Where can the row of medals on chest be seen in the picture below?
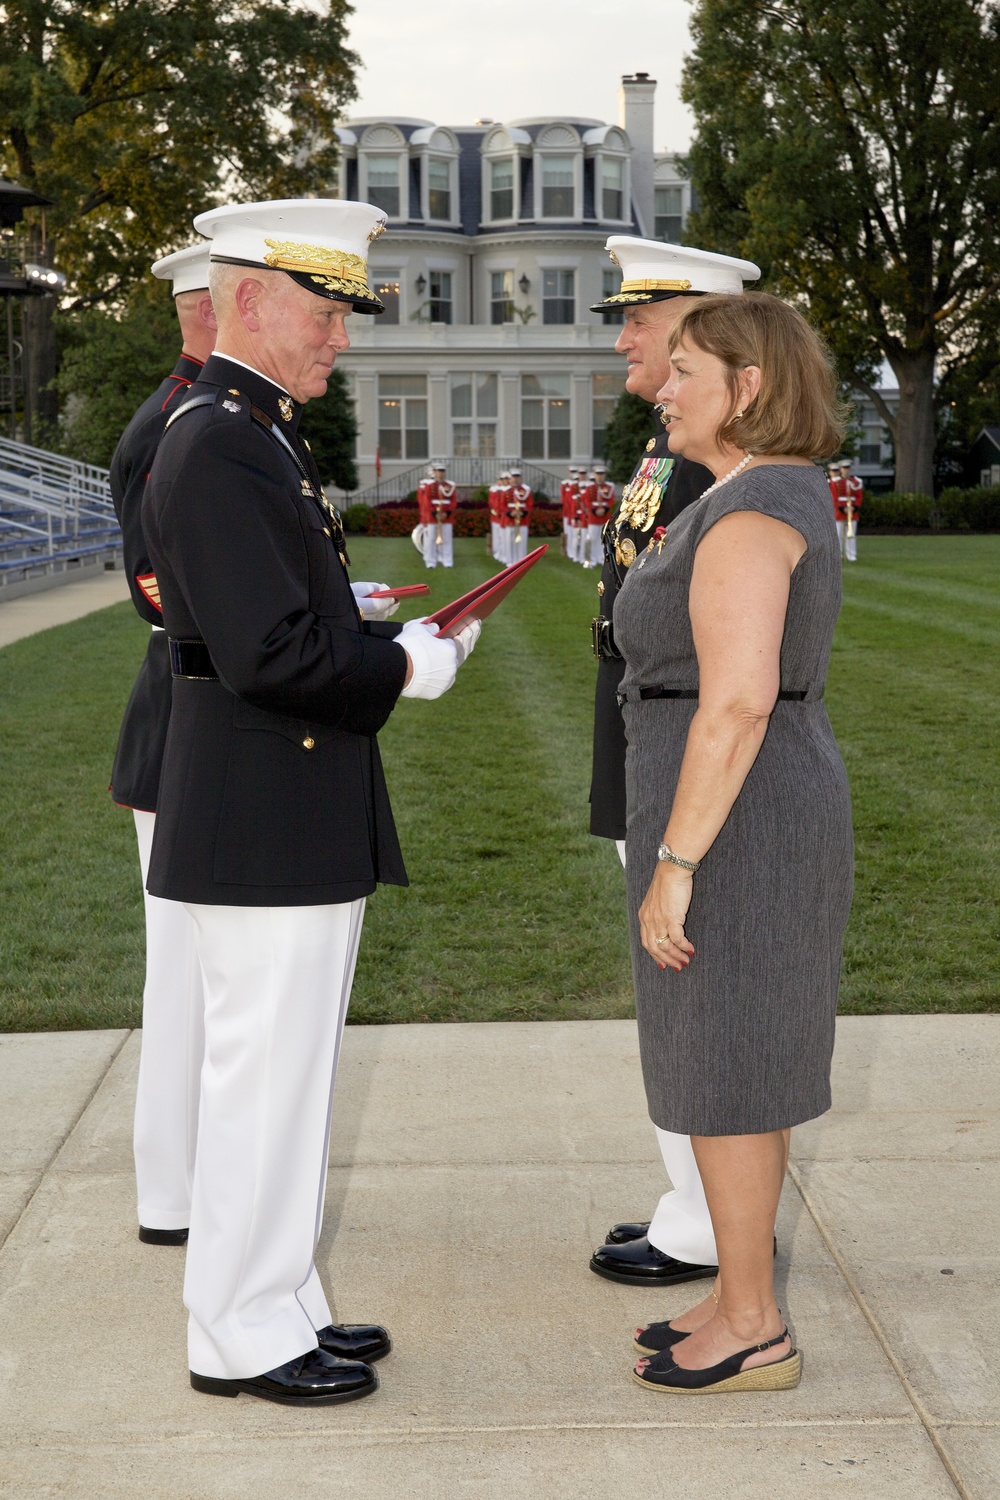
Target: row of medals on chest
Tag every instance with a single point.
(640, 502)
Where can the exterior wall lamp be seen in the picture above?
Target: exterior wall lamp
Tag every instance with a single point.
(421, 284)
(525, 285)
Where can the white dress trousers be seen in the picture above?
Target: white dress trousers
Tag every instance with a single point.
(519, 541)
(173, 1043)
(495, 544)
(442, 551)
(595, 549)
(681, 1225)
(504, 552)
(277, 984)
(847, 531)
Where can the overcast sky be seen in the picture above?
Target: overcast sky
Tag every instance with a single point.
(456, 61)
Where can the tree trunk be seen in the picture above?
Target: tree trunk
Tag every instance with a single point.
(41, 403)
(914, 433)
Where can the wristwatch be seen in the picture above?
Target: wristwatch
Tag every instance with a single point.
(665, 852)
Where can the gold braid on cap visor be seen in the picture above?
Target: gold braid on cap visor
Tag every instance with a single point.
(337, 270)
(642, 290)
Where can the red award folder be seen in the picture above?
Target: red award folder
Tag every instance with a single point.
(484, 598)
(406, 592)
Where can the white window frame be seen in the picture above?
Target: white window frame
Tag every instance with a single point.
(576, 157)
(403, 158)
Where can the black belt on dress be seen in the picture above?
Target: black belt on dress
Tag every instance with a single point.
(665, 692)
(192, 659)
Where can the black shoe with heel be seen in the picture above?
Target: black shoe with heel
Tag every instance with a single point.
(661, 1373)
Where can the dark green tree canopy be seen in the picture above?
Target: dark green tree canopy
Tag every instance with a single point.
(134, 115)
(852, 149)
(629, 429)
(330, 427)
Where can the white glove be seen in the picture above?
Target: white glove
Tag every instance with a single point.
(373, 609)
(434, 662)
(466, 639)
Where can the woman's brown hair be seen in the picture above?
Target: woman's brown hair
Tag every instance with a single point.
(796, 410)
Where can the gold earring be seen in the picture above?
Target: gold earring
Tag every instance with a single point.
(739, 413)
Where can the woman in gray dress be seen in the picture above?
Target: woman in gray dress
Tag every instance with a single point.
(739, 822)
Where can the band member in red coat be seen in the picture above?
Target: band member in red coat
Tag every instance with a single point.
(567, 496)
(586, 498)
(520, 504)
(600, 503)
(854, 494)
(436, 499)
(505, 535)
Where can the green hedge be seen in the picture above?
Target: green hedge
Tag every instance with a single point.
(953, 510)
(397, 518)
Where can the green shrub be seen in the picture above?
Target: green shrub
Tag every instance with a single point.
(895, 509)
(355, 519)
(976, 509)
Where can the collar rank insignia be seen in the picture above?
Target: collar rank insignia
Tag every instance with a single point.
(233, 391)
(287, 408)
(650, 445)
(232, 406)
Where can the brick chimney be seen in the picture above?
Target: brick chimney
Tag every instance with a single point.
(635, 116)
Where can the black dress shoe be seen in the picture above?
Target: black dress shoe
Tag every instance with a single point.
(640, 1264)
(162, 1236)
(311, 1379)
(365, 1341)
(620, 1234)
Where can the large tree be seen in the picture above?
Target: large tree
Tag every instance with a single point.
(133, 115)
(852, 148)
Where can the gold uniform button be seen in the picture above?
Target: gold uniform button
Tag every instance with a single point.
(309, 743)
(600, 590)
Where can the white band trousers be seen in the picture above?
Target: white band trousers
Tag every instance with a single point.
(442, 551)
(595, 548)
(277, 985)
(847, 531)
(519, 540)
(173, 1042)
(681, 1225)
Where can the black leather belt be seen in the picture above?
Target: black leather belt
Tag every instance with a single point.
(665, 692)
(191, 659)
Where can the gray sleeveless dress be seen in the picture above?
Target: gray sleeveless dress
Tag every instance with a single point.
(740, 1042)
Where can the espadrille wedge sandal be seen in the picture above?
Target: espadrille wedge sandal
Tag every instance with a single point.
(662, 1374)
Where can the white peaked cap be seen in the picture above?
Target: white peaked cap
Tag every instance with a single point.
(187, 269)
(322, 243)
(653, 271)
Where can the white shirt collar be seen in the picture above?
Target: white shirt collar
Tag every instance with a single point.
(234, 361)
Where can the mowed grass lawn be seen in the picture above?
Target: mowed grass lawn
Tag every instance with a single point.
(514, 911)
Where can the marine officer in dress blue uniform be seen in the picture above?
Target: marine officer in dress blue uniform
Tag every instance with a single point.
(166, 1108)
(273, 820)
(678, 1244)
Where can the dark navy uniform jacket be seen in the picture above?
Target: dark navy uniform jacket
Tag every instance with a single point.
(686, 482)
(135, 775)
(272, 791)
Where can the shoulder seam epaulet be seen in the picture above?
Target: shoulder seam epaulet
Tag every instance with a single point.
(191, 405)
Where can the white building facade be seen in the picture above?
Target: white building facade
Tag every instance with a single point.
(494, 250)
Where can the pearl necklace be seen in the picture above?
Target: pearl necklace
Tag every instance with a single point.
(727, 477)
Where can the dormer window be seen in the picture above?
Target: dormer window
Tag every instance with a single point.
(612, 188)
(438, 188)
(503, 149)
(502, 188)
(558, 181)
(383, 183)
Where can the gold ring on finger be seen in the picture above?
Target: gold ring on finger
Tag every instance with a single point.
(667, 939)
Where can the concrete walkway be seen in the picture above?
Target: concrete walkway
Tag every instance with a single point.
(474, 1167)
(29, 613)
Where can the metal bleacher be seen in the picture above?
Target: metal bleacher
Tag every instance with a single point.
(56, 515)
